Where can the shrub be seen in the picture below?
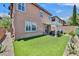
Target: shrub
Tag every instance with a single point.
(52, 33)
(6, 23)
(64, 32)
(72, 33)
(61, 31)
(58, 33)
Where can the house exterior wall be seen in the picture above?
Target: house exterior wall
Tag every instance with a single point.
(53, 27)
(56, 19)
(30, 14)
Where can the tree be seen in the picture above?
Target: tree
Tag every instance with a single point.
(74, 18)
(6, 23)
(69, 21)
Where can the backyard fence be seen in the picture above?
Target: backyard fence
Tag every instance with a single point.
(68, 29)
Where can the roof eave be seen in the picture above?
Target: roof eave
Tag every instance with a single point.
(42, 8)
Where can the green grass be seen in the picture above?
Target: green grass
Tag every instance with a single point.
(41, 46)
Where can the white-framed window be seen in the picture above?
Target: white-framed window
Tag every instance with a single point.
(30, 27)
(49, 17)
(27, 26)
(21, 6)
(34, 27)
(41, 13)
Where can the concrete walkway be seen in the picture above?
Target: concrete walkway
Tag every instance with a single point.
(9, 46)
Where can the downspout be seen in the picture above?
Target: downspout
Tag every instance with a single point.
(12, 18)
(11, 9)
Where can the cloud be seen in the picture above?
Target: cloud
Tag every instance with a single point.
(59, 11)
(65, 18)
(69, 4)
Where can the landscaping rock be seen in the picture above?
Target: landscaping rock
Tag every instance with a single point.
(72, 49)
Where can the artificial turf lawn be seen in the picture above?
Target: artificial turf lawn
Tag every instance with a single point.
(41, 46)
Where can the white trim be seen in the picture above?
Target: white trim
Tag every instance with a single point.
(30, 25)
(21, 10)
(49, 17)
(36, 27)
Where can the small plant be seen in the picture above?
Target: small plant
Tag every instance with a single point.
(64, 33)
(2, 48)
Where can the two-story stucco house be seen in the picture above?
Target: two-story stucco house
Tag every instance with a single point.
(57, 23)
(57, 19)
(29, 19)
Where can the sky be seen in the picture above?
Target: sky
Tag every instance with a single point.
(62, 10)
(4, 9)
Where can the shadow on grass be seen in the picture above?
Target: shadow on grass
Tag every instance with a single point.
(30, 38)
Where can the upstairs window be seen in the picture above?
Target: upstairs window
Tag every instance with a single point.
(21, 6)
(53, 19)
(49, 17)
(41, 14)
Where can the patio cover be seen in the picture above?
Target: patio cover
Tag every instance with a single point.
(53, 23)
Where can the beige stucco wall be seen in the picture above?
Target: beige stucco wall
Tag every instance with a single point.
(31, 14)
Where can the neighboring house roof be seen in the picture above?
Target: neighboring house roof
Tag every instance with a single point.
(42, 8)
(56, 17)
(62, 21)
